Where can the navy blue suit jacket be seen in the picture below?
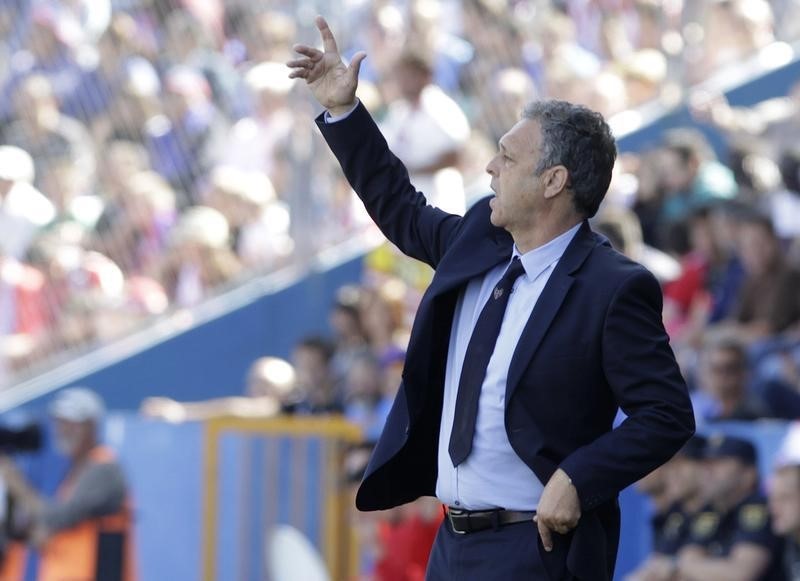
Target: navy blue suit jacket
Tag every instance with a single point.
(594, 342)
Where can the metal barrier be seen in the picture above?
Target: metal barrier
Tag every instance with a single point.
(259, 473)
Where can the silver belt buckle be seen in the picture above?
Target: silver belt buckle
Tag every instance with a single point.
(452, 524)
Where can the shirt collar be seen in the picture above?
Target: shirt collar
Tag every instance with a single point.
(537, 260)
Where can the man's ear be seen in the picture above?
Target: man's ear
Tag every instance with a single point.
(556, 181)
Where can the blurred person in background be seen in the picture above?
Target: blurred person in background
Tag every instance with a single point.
(86, 531)
(734, 30)
(48, 50)
(784, 500)
(382, 317)
(768, 302)
(428, 132)
(189, 42)
(678, 493)
(26, 316)
(260, 223)
(783, 206)
(136, 231)
(349, 339)
(732, 538)
(199, 257)
(622, 228)
(119, 67)
(270, 389)
(187, 140)
(142, 298)
(316, 383)
(690, 174)
(24, 210)
(511, 88)
(50, 137)
(265, 34)
(706, 289)
(80, 285)
(364, 401)
(255, 141)
(724, 391)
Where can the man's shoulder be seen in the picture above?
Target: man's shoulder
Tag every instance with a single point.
(613, 267)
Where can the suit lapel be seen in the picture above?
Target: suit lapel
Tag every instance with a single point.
(553, 295)
(465, 265)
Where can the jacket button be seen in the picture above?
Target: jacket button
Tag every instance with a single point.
(408, 428)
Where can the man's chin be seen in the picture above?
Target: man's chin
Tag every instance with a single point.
(494, 215)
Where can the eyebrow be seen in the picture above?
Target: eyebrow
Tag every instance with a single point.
(502, 147)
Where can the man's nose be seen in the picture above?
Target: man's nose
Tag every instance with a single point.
(490, 167)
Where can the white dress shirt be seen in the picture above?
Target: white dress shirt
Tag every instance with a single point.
(493, 475)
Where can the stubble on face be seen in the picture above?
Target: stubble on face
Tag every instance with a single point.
(514, 179)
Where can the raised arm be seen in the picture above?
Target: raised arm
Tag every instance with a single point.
(378, 177)
(331, 82)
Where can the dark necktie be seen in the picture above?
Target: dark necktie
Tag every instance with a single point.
(479, 351)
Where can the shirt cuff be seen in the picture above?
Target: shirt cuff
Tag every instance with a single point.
(331, 119)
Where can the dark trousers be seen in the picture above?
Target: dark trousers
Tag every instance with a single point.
(510, 553)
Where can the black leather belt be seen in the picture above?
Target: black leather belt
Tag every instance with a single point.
(471, 521)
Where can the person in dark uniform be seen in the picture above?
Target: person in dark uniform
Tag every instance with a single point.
(731, 539)
(784, 503)
(684, 496)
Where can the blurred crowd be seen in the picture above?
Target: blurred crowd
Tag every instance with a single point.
(712, 519)
(154, 152)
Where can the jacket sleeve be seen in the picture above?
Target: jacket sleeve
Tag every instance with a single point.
(381, 181)
(641, 371)
(99, 491)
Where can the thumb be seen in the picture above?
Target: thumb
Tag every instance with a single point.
(355, 63)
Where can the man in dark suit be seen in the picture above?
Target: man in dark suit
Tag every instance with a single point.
(532, 334)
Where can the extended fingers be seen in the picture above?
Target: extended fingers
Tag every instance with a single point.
(328, 42)
(309, 51)
(298, 74)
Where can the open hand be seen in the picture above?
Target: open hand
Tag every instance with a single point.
(331, 82)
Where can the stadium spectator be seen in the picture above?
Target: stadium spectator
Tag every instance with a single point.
(86, 531)
(707, 286)
(316, 383)
(784, 500)
(427, 130)
(270, 389)
(768, 301)
(350, 342)
(24, 210)
(185, 142)
(690, 174)
(723, 391)
(364, 400)
(199, 257)
(47, 50)
(732, 538)
(678, 496)
(784, 504)
(254, 142)
(136, 230)
(52, 139)
(260, 223)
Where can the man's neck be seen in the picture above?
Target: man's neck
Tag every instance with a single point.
(542, 234)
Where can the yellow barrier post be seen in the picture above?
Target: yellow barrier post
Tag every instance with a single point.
(336, 432)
